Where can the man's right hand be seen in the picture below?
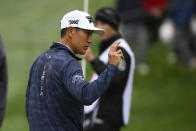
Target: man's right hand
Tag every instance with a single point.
(115, 55)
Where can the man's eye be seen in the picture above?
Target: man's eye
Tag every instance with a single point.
(88, 32)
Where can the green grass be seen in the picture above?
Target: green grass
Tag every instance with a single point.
(163, 100)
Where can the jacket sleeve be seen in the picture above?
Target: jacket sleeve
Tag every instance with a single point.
(98, 66)
(82, 90)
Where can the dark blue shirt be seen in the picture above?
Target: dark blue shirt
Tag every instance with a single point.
(182, 11)
(57, 91)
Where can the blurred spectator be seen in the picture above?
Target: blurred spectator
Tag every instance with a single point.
(156, 12)
(134, 29)
(111, 112)
(181, 13)
(3, 81)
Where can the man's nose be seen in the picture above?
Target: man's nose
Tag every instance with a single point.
(90, 40)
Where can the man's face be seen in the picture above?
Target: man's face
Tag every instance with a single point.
(108, 30)
(81, 39)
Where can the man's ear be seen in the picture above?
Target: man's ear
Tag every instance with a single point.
(70, 31)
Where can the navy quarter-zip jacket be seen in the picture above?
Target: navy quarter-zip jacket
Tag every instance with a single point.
(57, 90)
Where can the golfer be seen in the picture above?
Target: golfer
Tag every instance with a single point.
(57, 90)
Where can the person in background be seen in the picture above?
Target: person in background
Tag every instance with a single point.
(111, 111)
(181, 12)
(155, 13)
(3, 81)
(134, 30)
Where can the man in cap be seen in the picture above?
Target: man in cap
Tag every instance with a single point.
(57, 90)
(112, 110)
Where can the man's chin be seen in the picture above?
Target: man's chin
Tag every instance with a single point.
(83, 52)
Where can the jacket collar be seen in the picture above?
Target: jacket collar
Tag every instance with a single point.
(59, 46)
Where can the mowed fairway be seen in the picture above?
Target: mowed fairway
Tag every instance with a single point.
(164, 100)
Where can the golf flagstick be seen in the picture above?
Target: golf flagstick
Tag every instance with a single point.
(83, 60)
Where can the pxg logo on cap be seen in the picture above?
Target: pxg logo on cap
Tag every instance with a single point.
(79, 19)
(89, 19)
(73, 22)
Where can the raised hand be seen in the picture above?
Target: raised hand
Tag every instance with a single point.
(115, 55)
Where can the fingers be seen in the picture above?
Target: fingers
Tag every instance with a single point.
(119, 51)
(115, 55)
(114, 46)
(120, 54)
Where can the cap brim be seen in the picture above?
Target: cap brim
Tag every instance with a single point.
(99, 31)
(96, 30)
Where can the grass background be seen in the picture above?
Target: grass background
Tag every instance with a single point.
(163, 100)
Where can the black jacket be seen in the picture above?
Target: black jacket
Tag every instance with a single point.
(110, 109)
(3, 81)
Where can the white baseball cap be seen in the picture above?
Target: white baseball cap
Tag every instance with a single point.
(79, 19)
